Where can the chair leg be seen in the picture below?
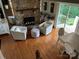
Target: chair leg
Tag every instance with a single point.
(57, 43)
(38, 54)
(61, 51)
(0, 43)
(78, 57)
(70, 57)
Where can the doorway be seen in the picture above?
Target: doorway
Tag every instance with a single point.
(68, 17)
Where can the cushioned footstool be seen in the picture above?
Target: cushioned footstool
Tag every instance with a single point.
(35, 32)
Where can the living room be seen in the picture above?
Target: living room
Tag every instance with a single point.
(28, 30)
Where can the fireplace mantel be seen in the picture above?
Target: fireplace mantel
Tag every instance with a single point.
(24, 9)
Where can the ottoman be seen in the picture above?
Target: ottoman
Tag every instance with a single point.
(35, 32)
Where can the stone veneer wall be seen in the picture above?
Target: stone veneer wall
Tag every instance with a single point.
(28, 8)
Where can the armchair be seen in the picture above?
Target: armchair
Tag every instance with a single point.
(19, 32)
(46, 27)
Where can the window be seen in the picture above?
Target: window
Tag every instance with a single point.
(45, 6)
(52, 8)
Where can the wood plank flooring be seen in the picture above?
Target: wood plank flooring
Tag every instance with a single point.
(12, 49)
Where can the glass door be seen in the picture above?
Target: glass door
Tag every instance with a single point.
(67, 17)
(61, 19)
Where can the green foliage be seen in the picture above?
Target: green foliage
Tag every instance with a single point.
(74, 11)
(70, 21)
(62, 18)
(64, 9)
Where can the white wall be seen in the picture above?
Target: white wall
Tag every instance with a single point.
(48, 7)
(77, 28)
(56, 9)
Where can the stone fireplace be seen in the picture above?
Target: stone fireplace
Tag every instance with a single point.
(29, 8)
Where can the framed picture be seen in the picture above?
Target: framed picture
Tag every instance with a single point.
(52, 7)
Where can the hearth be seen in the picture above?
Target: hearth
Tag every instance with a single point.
(29, 20)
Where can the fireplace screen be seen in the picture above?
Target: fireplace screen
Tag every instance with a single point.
(29, 21)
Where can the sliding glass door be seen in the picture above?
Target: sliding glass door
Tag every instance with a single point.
(68, 17)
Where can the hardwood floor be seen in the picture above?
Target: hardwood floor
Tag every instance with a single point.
(12, 49)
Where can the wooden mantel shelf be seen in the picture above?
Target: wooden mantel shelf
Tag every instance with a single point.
(24, 9)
